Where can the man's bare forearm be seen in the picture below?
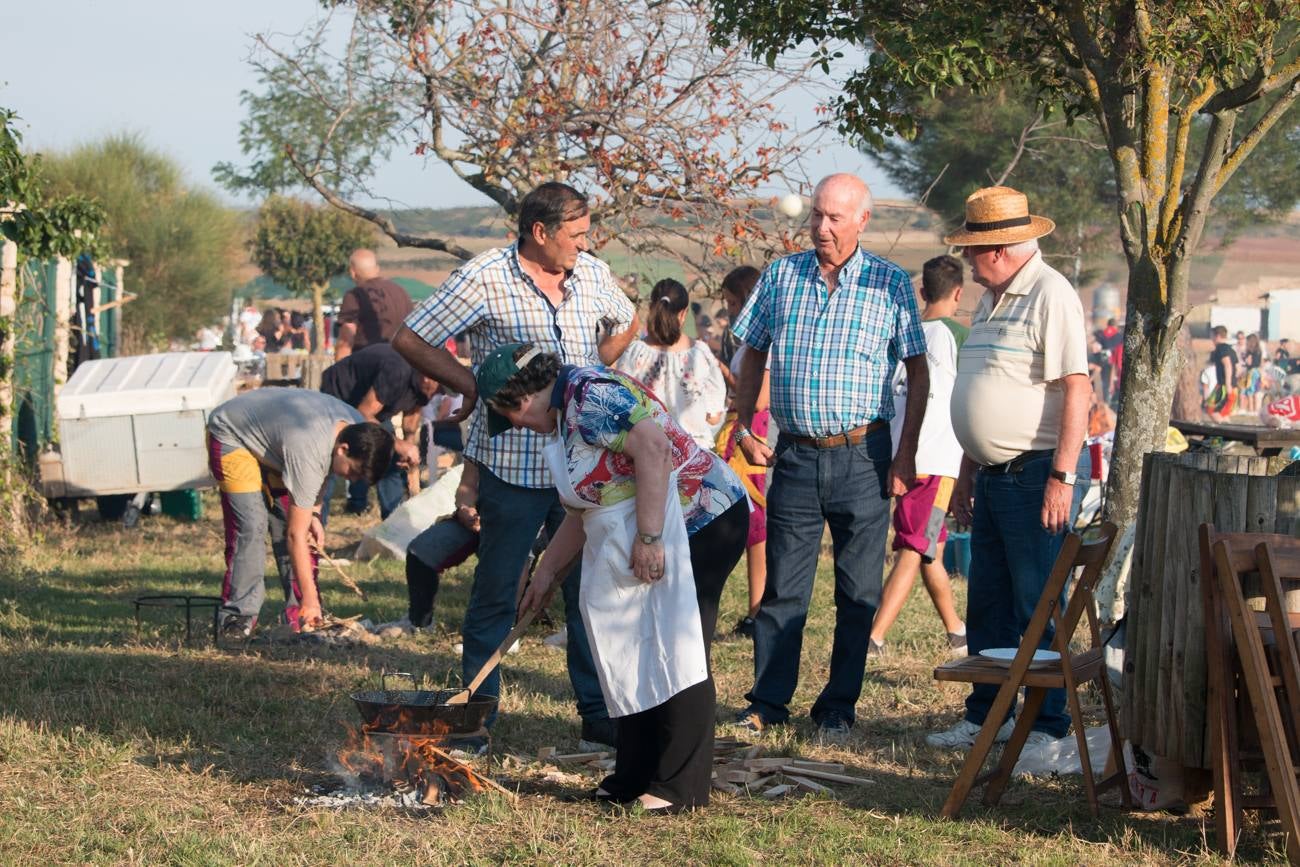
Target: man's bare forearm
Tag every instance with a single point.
(752, 366)
(1074, 421)
(343, 341)
(613, 345)
(918, 395)
(433, 361)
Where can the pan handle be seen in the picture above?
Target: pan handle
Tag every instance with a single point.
(384, 674)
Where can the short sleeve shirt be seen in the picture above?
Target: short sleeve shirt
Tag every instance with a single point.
(288, 430)
(1008, 399)
(493, 299)
(600, 407)
(376, 307)
(381, 367)
(832, 354)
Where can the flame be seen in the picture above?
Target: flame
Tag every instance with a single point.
(372, 754)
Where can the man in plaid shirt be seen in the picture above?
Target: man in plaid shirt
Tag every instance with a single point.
(835, 321)
(549, 291)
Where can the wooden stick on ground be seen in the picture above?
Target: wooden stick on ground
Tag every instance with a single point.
(344, 576)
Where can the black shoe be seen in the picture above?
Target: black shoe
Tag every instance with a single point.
(833, 729)
(744, 628)
(237, 627)
(598, 735)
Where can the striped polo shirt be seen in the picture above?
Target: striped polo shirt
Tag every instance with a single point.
(1008, 398)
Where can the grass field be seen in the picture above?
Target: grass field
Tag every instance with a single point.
(121, 748)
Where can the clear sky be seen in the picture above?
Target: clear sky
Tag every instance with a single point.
(172, 70)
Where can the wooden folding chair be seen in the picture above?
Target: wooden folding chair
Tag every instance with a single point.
(1263, 643)
(1069, 673)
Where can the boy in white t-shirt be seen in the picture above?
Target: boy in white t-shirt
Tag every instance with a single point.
(919, 529)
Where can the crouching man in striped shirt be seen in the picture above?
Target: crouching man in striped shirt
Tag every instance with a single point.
(546, 290)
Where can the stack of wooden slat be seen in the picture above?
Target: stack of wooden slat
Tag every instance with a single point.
(740, 770)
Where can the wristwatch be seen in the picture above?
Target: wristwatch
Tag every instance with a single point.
(1065, 478)
(740, 434)
(649, 538)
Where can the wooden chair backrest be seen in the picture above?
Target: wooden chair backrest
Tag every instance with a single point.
(1092, 557)
(1075, 553)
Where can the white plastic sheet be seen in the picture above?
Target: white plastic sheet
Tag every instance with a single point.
(408, 520)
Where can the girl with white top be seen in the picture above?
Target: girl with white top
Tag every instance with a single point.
(681, 372)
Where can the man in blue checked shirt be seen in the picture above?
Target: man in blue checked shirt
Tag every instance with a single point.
(546, 290)
(835, 321)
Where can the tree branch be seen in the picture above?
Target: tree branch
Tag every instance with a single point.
(385, 225)
(1174, 185)
(1242, 149)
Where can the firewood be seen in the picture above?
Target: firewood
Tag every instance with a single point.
(829, 767)
(761, 782)
(752, 752)
(826, 775)
(470, 773)
(545, 753)
(809, 786)
(764, 764)
(580, 757)
(602, 764)
(741, 777)
(779, 791)
(729, 788)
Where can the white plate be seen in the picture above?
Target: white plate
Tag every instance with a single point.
(1007, 654)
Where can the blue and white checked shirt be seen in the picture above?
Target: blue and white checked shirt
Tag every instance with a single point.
(492, 298)
(832, 354)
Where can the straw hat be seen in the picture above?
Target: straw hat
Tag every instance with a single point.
(998, 215)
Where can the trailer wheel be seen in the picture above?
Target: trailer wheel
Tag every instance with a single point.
(113, 506)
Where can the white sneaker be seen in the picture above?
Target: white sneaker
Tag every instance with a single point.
(962, 735)
(1038, 739)
(559, 639)
(395, 628)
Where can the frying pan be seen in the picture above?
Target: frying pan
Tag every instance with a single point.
(421, 711)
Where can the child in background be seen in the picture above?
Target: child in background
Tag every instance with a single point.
(919, 529)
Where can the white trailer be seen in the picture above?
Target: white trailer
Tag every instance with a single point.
(137, 424)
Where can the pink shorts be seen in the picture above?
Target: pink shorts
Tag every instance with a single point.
(919, 516)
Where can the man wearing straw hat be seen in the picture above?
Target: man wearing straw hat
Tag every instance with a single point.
(1020, 412)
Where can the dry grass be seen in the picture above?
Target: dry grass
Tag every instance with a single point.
(118, 748)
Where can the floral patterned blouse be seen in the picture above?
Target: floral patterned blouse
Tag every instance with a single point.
(598, 408)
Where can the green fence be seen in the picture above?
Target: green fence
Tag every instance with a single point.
(33, 375)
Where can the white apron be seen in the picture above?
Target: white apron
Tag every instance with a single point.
(646, 639)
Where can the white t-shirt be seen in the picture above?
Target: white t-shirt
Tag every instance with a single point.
(937, 451)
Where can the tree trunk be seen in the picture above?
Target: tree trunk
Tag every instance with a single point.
(1151, 365)
(317, 343)
(1187, 392)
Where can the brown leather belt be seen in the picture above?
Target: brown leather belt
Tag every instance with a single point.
(848, 438)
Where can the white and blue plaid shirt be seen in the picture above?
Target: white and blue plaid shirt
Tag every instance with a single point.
(832, 354)
(492, 298)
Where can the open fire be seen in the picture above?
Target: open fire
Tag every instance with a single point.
(404, 760)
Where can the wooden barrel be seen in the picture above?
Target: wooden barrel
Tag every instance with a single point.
(1163, 708)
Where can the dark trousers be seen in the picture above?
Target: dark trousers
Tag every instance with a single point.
(844, 488)
(510, 517)
(439, 547)
(667, 751)
(1011, 557)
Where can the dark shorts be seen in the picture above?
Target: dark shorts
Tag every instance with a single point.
(919, 516)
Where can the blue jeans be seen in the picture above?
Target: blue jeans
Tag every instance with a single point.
(510, 517)
(1011, 557)
(845, 488)
(389, 490)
